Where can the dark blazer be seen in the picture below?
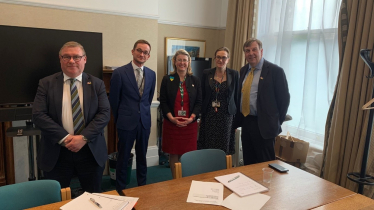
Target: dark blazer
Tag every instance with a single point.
(273, 99)
(127, 105)
(47, 109)
(168, 93)
(233, 86)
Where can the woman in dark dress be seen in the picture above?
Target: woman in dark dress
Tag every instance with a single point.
(220, 93)
(180, 101)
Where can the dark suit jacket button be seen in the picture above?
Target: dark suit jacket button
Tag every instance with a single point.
(139, 112)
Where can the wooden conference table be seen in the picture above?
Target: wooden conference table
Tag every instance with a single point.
(296, 189)
(356, 201)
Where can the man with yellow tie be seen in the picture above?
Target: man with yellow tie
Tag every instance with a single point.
(264, 100)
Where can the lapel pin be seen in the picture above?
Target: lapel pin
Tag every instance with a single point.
(211, 78)
(171, 78)
(261, 78)
(193, 85)
(88, 83)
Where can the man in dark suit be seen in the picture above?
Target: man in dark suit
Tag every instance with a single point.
(263, 103)
(71, 108)
(131, 92)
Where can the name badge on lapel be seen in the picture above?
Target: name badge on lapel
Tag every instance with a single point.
(216, 104)
(182, 113)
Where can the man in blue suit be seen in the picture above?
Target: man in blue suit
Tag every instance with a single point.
(131, 92)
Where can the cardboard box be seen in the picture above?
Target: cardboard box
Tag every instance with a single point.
(291, 149)
(296, 164)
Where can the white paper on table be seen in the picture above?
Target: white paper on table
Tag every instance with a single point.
(108, 202)
(132, 200)
(250, 202)
(206, 193)
(241, 184)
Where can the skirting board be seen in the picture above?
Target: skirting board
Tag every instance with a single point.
(152, 157)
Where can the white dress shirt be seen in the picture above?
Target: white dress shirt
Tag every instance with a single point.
(67, 116)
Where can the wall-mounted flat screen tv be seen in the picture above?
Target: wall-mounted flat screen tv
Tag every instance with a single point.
(29, 54)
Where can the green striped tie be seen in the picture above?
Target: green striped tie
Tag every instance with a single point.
(78, 120)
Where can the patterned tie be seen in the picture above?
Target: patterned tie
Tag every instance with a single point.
(139, 80)
(78, 120)
(246, 90)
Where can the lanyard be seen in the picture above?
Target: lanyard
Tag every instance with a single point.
(218, 86)
(182, 91)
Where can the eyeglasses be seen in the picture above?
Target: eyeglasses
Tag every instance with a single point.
(76, 58)
(224, 58)
(182, 60)
(141, 51)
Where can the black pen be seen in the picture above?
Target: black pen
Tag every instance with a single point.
(96, 203)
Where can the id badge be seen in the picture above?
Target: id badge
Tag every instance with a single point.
(216, 104)
(182, 113)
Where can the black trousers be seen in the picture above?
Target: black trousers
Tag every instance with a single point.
(255, 148)
(81, 164)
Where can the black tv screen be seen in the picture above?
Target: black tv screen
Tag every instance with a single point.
(29, 54)
(197, 65)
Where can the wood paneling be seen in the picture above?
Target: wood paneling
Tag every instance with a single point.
(112, 130)
(7, 175)
(2, 156)
(112, 135)
(9, 157)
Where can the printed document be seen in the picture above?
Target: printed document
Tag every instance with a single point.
(206, 193)
(88, 201)
(241, 184)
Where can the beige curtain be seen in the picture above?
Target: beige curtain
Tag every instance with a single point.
(346, 122)
(239, 28)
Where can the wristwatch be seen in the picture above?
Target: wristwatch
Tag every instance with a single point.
(85, 139)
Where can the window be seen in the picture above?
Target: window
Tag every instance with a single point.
(301, 36)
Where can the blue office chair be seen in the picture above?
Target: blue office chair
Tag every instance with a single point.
(30, 194)
(202, 161)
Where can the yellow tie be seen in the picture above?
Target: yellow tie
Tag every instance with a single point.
(246, 91)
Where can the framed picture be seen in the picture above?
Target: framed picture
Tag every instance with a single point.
(196, 48)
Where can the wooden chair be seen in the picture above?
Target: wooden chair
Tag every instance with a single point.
(65, 194)
(202, 161)
(31, 194)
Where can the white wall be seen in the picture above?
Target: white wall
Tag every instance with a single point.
(195, 13)
(224, 7)
(138, 8)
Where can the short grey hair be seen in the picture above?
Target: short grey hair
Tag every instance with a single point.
(72, 44)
